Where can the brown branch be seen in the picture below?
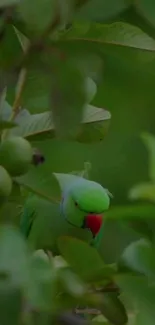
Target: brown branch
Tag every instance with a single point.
(88, 311)
(17, 101)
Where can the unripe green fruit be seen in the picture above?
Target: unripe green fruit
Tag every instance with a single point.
(5, 184)
(16, 155)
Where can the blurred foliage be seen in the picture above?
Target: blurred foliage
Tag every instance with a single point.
(77, 81)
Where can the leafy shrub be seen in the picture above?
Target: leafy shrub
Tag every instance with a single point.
(77, 97)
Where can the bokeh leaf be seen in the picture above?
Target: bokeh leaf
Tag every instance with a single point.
(149, 141)
(14, 255)
(141, 294)
(41, 288)
(84, 259)
(68, 97)
(99, 320)
(10, 303)
(140, 257)
(130, 212)
(39, 19)
(123, 225)
(113, 309)
(146, 9)
(144, 191)
(71, 283)
(11, 50)
(101, 9)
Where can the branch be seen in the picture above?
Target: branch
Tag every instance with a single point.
(88, 311)
(17, 101)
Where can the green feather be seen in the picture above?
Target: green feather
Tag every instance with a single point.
(91, 197)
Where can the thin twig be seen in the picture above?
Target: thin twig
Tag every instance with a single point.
(88, 311)
(17, 101)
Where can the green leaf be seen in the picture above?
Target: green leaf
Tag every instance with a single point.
(24, 41)
(71, 282)
(96, 123)
(149, 141)
(112, 239)
(14, 255)
(33, 126)
(11, 50)
(99, 320)
(143, 318)
(140, 293)
(130, 211)
(130, 216)
(119, 40)
(90, 64)
(11, 303)
(84, 259)
(113, 309)
(37, 20)
(101, 9)
(146, 9)
(144, 191)
(40, 290)
(140, 257)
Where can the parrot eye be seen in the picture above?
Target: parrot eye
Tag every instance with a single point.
(76, 204)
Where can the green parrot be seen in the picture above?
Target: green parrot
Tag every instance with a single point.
(79, 213)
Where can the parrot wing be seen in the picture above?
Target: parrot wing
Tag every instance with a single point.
(28, 215)
(42, 223)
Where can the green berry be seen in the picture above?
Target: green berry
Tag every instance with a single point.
(16, 155)
(5, 184)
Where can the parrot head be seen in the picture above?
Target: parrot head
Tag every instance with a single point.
(84, 203)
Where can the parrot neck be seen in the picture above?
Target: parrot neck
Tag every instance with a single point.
(62, 212)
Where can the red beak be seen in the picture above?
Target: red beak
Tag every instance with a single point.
(94, 223)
